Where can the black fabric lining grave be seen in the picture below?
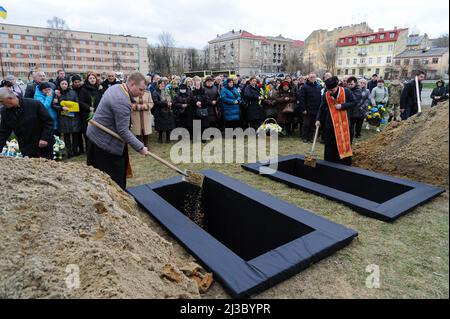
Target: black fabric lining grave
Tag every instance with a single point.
(372, 194)
(251, 240)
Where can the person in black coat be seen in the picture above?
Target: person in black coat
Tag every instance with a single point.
(408, 100)
(38, 78)
(439, 93)
(182, 108)
(30, 122)
(325, 120)
(373, 83)
(163, 112)
(212, 101)
(69, 123)
(110, 81)
(309, 100)
(253, 109)
(200, 106)
(89, 98)
(354, 114)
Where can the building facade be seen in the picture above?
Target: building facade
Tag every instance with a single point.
(365, 54)
(319, 42)
(249, 54)
(433, 61)
(418, 42)
(24, 49)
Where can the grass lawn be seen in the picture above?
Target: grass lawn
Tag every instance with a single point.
(412, 253)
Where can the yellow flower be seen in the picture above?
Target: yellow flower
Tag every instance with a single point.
(377, 114)
(369, 117)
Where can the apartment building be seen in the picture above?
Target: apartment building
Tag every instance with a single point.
(25, 48)
(365, 54)
(250, 54)
(433, 61)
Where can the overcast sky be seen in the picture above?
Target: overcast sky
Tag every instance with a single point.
(194, 22)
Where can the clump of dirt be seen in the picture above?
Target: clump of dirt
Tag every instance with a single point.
(417, 149)
(61, 220)
(193, 206)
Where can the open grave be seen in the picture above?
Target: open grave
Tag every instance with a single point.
(249, 239)
(375, 195)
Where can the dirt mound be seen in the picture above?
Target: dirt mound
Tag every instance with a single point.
(57, 218)
(417, 149)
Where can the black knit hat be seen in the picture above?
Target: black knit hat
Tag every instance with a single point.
(44, 85)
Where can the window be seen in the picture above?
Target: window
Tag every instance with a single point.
(340, 62)
(379, 60)
(29, 47)
(392, 35)
(370, 60)
(389, 59)
(340, 52)
(353, 71)
(347, 62)
(416, 62)
(371, 49)
(346, 71)
(19, 55)
(356, 50)
(43, 65)
(382, 36)
(372, 37)
(425, 61)
(342, 40)
(380, 48)
(435, 60)
(31, 56)
(4, 45)
(363, 60)
(361, 72)
(17, 37)
(93, 51)
(17, 46)
(390, 47)
(406, 62)
(397, 62)
(339, 72)
(32, 65)
(82, 42)
(40, 38)
(29, 38)
(377, 71)
(83, 50)
(364, 51)
(350, 40)
(355, 61)
(4, 35)
(349, 51)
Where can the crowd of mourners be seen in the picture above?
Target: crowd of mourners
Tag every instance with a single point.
(221, 102)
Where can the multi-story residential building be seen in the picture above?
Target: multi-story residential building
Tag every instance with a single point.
(434, 61)
(25, 48)
(371, 53)
(320, 42)
(249, 54)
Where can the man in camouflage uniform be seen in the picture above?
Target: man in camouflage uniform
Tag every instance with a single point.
(395, 92)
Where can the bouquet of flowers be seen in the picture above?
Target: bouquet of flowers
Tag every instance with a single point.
(12, 149)
(270, 125)
(377, 115)
(59, 149)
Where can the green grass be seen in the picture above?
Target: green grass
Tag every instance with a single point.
(412, 253)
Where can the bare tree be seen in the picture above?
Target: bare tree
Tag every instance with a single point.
(206, 63)
(329, 58)
(293, 62)
(156, 59)
(441, 42)
(117, 61)
(167, 44)
(58, 39)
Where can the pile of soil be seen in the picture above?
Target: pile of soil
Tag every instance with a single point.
(417, 149)
(56, 218)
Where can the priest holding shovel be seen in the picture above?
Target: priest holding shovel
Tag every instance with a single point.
(333, 114)
(106, 152)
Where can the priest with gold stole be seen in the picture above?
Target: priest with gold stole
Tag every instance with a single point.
(333, 116)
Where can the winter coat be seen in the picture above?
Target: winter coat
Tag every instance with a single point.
(212, 94)
(183, 115)
(371, 85)
(438, 95)
(31, 89)
(90, 96)
(310, 98)
(253, 108)
(164, 117)
(231, 111)
(70, 123)
(31, 123)
(408, 100)
(47, 101)
(380, 96)
(114, 112)
(395, 92)
(282, 103)
(324, 115)
(362, 100)
(199, 96)
(270, 104)
(141, 116)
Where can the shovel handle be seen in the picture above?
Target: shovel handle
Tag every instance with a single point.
(171, 166)
(315, 140)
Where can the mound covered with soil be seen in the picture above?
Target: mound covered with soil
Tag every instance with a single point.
(417, 149)
(62, 224)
